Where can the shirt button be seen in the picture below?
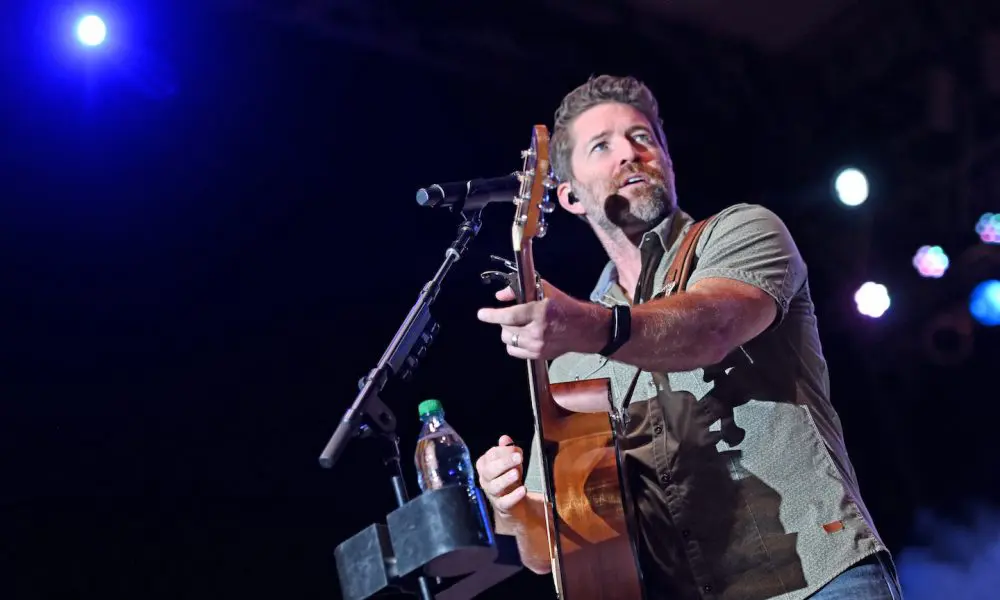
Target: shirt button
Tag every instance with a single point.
(658, 429)
(707, 588)
(665, 478)
(686, 534)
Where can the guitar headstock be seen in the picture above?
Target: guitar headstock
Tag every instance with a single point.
(532, 200)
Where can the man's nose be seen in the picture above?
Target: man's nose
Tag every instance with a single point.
(627, 152)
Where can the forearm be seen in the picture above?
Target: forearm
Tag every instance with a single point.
(528, 527)
(681, 332)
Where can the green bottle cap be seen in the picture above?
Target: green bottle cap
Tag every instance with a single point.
(428, 406)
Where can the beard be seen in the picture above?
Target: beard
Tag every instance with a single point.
(645, 207)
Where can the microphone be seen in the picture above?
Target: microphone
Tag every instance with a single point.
(469, 195)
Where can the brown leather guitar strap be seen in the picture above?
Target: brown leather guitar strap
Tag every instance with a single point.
(677, 278)
(680, 269)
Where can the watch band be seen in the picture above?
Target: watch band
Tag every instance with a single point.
(621, 329)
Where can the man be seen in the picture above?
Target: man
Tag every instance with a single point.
(735, 456)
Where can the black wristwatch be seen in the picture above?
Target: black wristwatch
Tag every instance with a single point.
(621, 329)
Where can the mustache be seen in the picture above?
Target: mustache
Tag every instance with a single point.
(654, 176)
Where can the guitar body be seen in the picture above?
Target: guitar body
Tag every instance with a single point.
(588, 514)
(597, 556)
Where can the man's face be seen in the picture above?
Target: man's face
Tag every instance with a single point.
(621, 176)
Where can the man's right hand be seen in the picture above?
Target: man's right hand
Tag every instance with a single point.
(515, 513)
(500, 477)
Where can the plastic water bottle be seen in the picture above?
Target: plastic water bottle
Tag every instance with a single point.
(442, 458)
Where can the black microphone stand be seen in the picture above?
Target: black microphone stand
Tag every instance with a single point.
(401, 358)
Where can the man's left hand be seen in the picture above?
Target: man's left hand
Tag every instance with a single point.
(550, 327)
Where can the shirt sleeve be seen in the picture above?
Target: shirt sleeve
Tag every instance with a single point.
(749, 243)
(533, 472)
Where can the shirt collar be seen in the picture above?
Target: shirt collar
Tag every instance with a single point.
(666, 233)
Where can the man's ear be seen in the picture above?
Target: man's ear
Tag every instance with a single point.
(564, 191)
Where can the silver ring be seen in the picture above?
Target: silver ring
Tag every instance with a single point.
(513, 340)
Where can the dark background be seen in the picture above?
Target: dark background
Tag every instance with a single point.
(209, 235)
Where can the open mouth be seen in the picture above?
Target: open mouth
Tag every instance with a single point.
(633, 180)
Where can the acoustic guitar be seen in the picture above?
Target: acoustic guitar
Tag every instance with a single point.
(589, 516)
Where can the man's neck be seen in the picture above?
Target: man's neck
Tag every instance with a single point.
(623, 250)
(624, 253)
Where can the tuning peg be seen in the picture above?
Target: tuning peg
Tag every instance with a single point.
(549, 183)
(548, 207)
(543, 228)
(527, 153)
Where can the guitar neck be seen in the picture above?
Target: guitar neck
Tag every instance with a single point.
(538, 370)
(544, 410)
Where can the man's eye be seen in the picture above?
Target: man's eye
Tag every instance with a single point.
(599, 146)
(643, 137)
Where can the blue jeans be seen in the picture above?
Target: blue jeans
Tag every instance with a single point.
(870, 579)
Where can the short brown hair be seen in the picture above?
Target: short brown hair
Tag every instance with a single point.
(599, 90)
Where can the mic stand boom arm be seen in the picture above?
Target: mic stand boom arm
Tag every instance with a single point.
(407, 347)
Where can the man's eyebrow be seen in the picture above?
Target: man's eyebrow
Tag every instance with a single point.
(640, 127)
(607, 132)
(600, 135)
